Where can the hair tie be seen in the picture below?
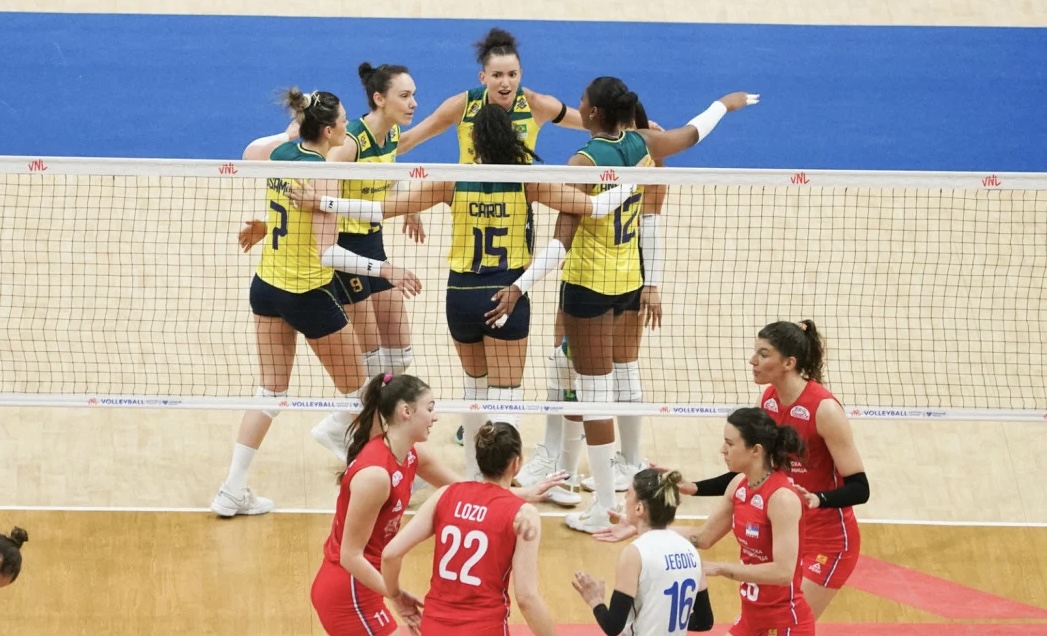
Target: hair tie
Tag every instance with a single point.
(387, 379)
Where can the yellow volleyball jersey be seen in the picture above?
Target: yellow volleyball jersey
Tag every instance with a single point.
(524, 123)
(488, 228)
(605, 255)
(290, 257)
(368, 150)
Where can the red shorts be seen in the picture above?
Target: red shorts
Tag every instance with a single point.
(347, 607)
(433, 627)
(828, 565)
(754, 626)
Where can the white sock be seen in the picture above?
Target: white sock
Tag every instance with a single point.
(475, 390)
(603, 472)
(572, 447)
(627, 388)
(236, 481)
(505, 394)
(396, 361)
(373, 363)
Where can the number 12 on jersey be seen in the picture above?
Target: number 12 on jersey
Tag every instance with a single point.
(682, 595)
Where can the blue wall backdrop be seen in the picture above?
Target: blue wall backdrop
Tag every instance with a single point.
(833, 97)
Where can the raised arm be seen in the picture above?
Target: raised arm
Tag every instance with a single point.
(448, 114)
(525, 575)
(664, 143)
(370, 489)
(547, 108)
(260, 149)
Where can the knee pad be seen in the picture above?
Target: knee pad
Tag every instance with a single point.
(627, 387)
(373, 363)
(595, 388)
(266, 393)
(475, 388)
(396, 361)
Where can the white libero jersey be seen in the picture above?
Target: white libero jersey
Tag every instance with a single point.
(670, 570)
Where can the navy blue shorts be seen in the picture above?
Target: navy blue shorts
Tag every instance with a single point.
(352, 288)
(581, 302)
(315, 313)
(469, 298)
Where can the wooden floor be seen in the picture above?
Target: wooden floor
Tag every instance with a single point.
(164, 572)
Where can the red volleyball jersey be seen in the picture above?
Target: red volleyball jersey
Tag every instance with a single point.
(765, 604)
(374, 453)
(830, 528)
(473, 556)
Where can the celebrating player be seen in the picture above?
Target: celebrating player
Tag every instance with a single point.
(601, 275)
(477, 548)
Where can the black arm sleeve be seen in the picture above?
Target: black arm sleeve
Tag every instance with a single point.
(714, 487)
(854, 491)
(612, 621)
(702, 614)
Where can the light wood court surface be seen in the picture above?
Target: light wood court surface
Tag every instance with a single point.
(154, 572)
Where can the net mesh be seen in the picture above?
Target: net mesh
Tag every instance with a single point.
(125, 278)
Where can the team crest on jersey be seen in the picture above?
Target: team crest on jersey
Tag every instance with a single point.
(800, 413)
(399, 506)
(771, 405)
(752, 530)
(521, 103)
(740, 494)
(757, 502)
(397, 478)
(363, 144)
(472, 109)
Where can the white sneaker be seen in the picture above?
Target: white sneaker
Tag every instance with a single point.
(226, 504)
(540, 466)
(597, 517)
(623, 474)
(330, 434)
(567, 494)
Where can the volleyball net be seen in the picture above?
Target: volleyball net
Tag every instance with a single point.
(122, 283)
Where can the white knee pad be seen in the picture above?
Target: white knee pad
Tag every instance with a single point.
(595, 388)
(396, 361)
(627, 387)
(373, 363)
(475, 388)
(266, 393)
(560, 374)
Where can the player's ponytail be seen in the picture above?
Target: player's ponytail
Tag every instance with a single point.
(378, 80)
(779, 444)
(313, 111)
(640, 121)
(660, 495)
(497, 445)
(798, 340)
(787, 444)
(380, 397)
(495, 141)
(496, 42)
(616, 103)
(11, 553)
